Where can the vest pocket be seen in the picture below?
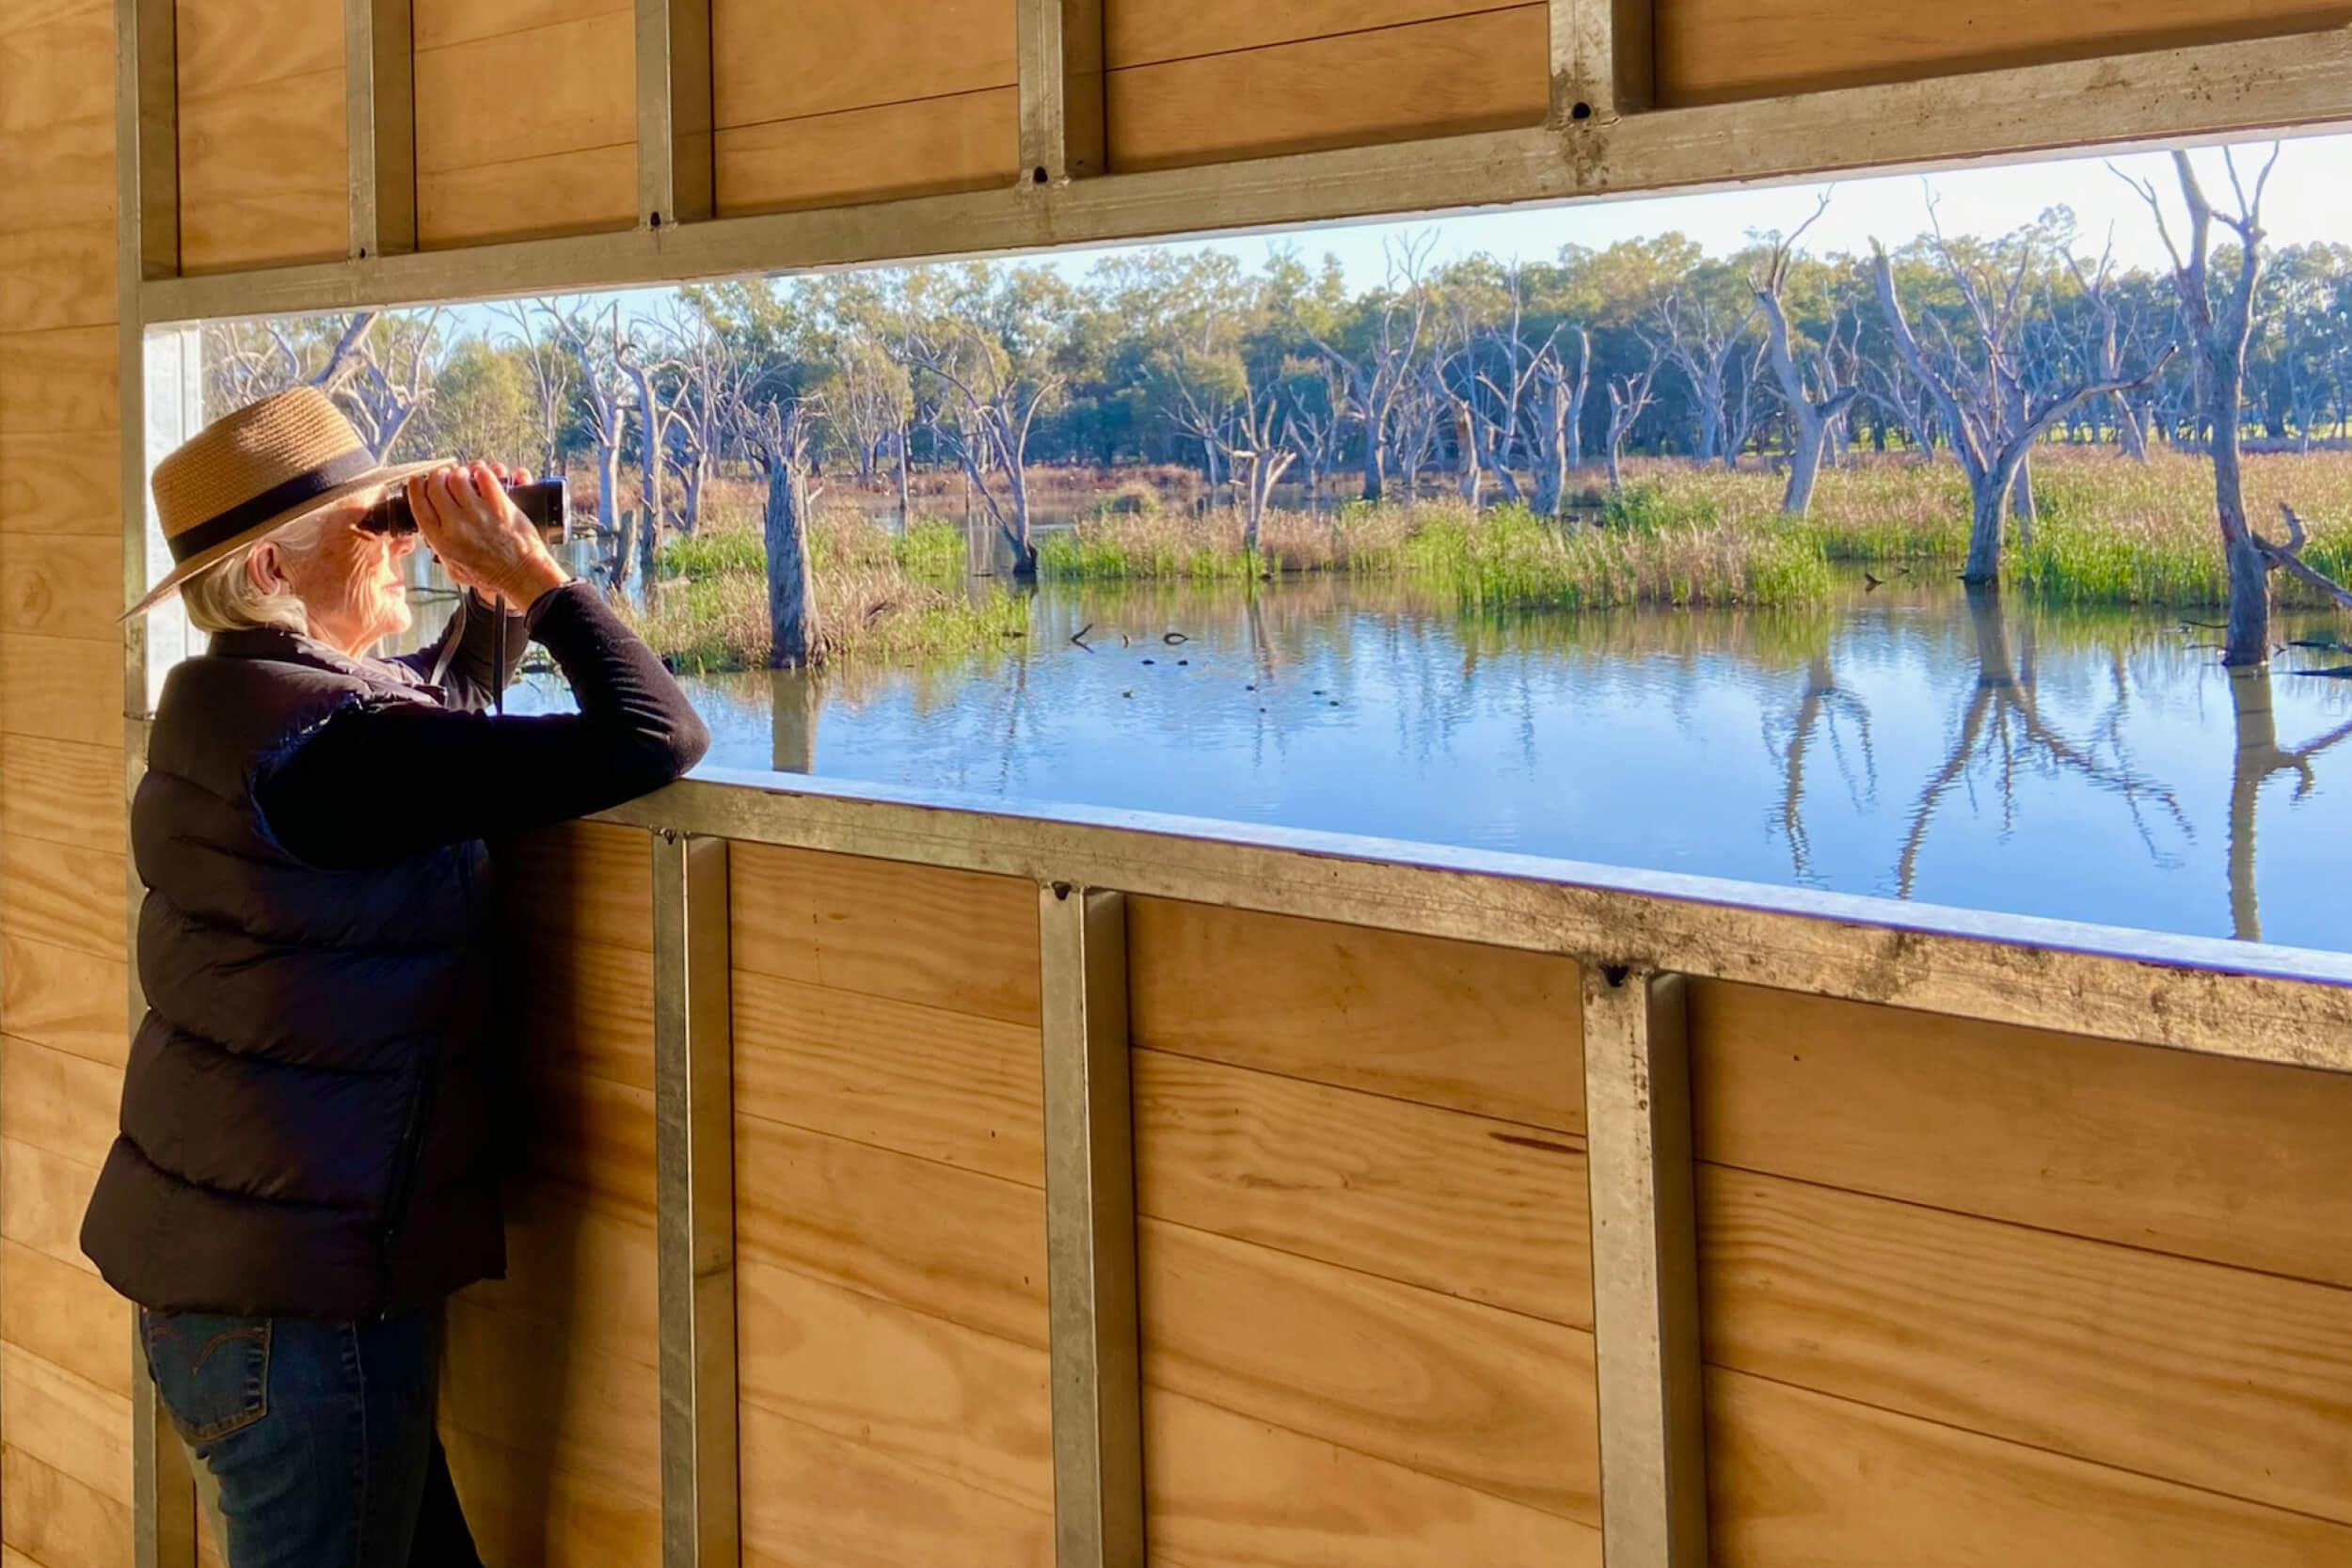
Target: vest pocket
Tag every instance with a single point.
(211, 1370)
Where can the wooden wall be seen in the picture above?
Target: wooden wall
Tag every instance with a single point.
(1977, 1295)
(261, 136)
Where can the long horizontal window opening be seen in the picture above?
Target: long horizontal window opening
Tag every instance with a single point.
(1978, 539)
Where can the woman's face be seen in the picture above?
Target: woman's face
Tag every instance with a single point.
(347, 578)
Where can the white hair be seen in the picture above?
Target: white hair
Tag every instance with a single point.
(224, 596)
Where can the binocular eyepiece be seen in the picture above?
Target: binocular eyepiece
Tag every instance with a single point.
(543, 502)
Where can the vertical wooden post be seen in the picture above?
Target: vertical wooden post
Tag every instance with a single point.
(1603, 57)
(694, 1200)
(675, 178)
(1637, 1111)
(381, 121)
(1060, 52)
(1090, 1231)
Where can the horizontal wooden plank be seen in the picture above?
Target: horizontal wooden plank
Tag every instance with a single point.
(61, 894)
(593, 1413)
(59, 69)
(68, 1317)
(581, 883)
(59, 1102)
(569, 1263)
(2233, 1162)
(1484, 71)
(65, 998)
(225, 45)
(68, 484)
(592, 1137)
(583, 93)
(61, 689)
(60, 791)
(1795, 1477)
(1478, 1209)
(965, 142)
(586, 1007)
(41, 1199)
(521, 1509)
(957, 940)
(935, 1395)
(61, 276)
(1480, 1029)
(436, 23)
(950, 1242)
(73, 1426)
(52, 1520)
(948, 1086)
(1223, 1490)
(809, 1497)
(60, 585)
(1715, 51)
(61, 172)
(262, 175)
(2233, 1381)
(1483, 1397)
(873, 52)
(58, 380)
(1146, 32)
(566, 193)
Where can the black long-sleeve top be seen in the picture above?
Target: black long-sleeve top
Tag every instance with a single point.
(377, 783)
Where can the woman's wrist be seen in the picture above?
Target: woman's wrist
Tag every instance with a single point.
(531, 578)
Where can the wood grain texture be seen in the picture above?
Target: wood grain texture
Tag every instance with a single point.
(949, 1087)
(950, 1242)
(58, 380)
(809, 1497)
(583, 93)
(593, 1137)
(436, 23)
(62, 276)
(68, 1317)
(60, 173)
(1480, 1029)
(60, 791)
(523, 1509)
(1486, 71)
(967, 141)
(590, 1406)
(61, 587)
(580, 883)
(225, 45)
(73, 1426)
(1795, 1477)
(1223, 1490)
(858, 53)
(54, 893)
(957, 940)
(1477, 1209)
(63, 997)
(585, 1009)
(2233, 1162)
(68, 485)
(1713, 51)
(1482, 1398)
(961, 1405)
(41, 1199)
(51, 1520)
(262, 175)
(575, 1268)
(61, 689)
(564, 193)
(2233, 1381)
(57, 69)
(59, 1103)
(1146, 32)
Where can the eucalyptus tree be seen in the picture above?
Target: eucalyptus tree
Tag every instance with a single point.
(1809, 411)
(1702, 324)
(1556, 415)
(595, 345)
(1629, 396)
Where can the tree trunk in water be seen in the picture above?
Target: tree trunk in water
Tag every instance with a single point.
(1551, 462)
(792, 598)
(2021, 500)
(1374, 481)
(609, 510)
(624, 559)
(2246, 644)
(1804, 459)
(1466, 448)
(2257, 757)
(1017, 531)
(1987, 493)
(794, 702)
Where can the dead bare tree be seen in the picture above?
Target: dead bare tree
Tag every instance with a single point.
(595, 345)
(997, 408)
(1629, 396)
(1809, 414)
(550, 371)
(654, 384)
(1557, 417)
(2098, 288)
(1820, 707)
(1702, 343)
(2259, 757)
(1386, 369)
(776, 429)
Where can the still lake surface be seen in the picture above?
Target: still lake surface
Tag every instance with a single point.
(2004, 755)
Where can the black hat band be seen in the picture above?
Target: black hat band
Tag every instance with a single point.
(340, 470)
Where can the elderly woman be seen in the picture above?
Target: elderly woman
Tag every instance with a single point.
(307, 1162)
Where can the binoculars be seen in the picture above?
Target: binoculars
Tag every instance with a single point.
(543, 502)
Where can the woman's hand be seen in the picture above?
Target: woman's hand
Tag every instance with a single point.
(483, 541)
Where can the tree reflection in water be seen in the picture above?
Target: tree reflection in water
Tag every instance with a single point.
(2260, 756)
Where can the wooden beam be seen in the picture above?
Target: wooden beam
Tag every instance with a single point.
(1060, 65)
(1602, 59)
(675, 182)
(379, 116)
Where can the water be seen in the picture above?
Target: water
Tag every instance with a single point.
(1900, 742)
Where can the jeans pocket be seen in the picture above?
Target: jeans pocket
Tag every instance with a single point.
(211, 1372)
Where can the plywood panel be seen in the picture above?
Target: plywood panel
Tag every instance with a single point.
(436, 23)
(968, 141)
(58, 68)
(1480, 1029)
(593, 1136)
(960, 1403)
(591, 1407)
(59, 379)
(575, 1268)
(62, 997)
(1144, 32)
(2235, 1381)
(957, 940)
(61, 688)
(62, 276)
(60, 791)
(922, 1081)
(41, 1199)
(1478, 1209)
(61, 484)
(1483, 72)
(564, 193)
(851, 54)
(1487, 1399)
(579, 91)
(1711, 51)
(588, 1008)
(54, 1521)
(62, 1103)
(67, 1316)
(1799, 1478)
(62, 173)
(812, 1498)
(70, 896)
(1223, 1490)
(582, 882)
(2233, 1162)
(524, 1509)
(262, 175)
(75, 1427)
(61, 587)
(224, 45)
(950, 1242)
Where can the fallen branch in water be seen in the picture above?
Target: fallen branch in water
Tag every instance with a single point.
(2290, 555)
(1078, 638)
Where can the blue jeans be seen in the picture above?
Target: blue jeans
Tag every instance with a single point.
(318, 1436)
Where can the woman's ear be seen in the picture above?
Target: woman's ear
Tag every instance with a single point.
(263, 569)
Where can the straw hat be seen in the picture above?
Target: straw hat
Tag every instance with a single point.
(250, 473)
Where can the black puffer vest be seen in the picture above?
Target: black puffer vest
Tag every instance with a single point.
(309, 1117)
